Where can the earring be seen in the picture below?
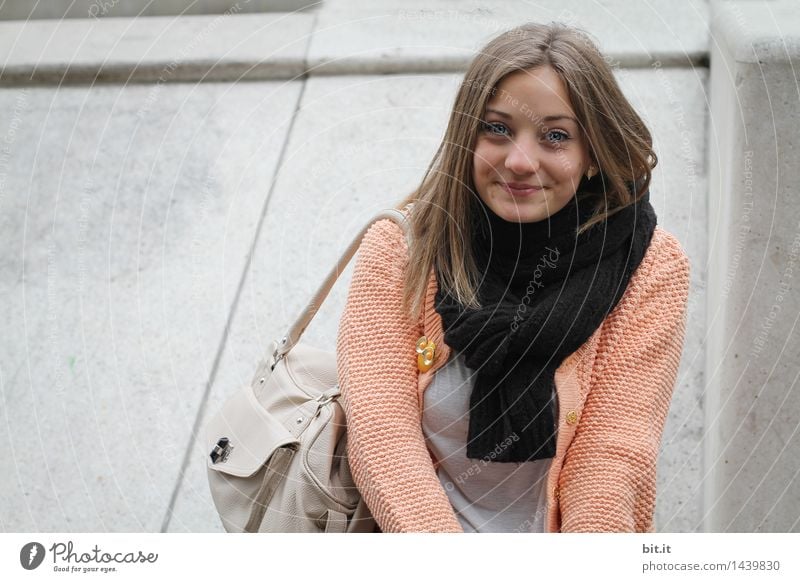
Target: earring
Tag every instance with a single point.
(591, 173)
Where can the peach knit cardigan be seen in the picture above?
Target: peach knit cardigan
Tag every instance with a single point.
(613, 396)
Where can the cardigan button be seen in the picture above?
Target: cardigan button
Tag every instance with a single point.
(556, 492)
(572, 417)
(426, 350)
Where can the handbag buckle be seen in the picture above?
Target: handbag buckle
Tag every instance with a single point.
(221, 451)
(325, 398)
(277, 357)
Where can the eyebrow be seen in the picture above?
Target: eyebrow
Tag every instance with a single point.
(548, 118)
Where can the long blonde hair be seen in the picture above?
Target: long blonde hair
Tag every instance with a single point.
(619, 144)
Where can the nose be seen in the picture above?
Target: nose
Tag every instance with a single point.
(523, 157)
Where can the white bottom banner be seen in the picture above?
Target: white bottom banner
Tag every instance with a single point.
(333, 557)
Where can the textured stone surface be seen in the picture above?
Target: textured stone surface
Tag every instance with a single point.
(361, 143)
(366, 36)
(25, 10)
(752, 442)
(673, 102)
(125, 234)
(335, 37)
(161, 49)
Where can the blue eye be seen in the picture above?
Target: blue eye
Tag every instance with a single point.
(495, 128)
(556, 137)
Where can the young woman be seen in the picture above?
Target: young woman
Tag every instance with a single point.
(510, 368)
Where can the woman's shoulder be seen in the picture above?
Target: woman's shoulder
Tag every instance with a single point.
(386, 237)
(653, 307)
(664, 243)
(663, 275)
(664, 257)
(383, 249)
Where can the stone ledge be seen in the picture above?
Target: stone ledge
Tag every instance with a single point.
(356, 37)
(758, 32)
(359, 36)
(58, 9)
(152, 49)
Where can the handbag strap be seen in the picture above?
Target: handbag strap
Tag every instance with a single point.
(290, 339)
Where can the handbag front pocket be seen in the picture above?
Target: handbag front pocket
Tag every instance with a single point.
(249, 455)
(274, 474)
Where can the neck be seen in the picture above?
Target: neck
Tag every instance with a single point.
(523, 238)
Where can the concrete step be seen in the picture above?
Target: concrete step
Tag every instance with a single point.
(366, 36)
(154, 49)
(124, 234)
(347, 37)
(26, 10)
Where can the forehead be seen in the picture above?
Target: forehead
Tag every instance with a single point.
(540, 89)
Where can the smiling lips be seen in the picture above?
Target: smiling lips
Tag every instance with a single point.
(520, 188)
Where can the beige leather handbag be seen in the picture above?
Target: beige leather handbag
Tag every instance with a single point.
(277, 456)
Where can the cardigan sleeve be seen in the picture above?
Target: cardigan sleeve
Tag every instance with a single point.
(608, 481)
(378, 377)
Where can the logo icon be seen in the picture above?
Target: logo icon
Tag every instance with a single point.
(31, 555)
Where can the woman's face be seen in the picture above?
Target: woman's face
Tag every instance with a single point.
(530, 153)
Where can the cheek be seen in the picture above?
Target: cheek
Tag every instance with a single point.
(579, 161)
(567, 166)
(485, 158)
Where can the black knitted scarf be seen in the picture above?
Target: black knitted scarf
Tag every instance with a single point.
(543, 292)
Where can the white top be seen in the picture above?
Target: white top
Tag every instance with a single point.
(486, 496)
